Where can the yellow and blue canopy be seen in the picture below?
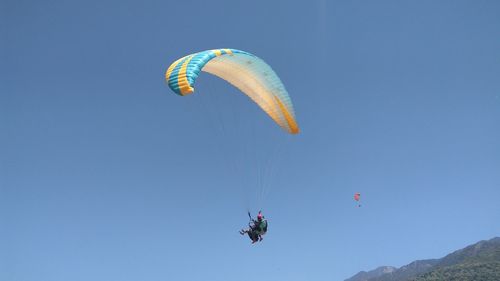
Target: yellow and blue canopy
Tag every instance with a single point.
(245, 71)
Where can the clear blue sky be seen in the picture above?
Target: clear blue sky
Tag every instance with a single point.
(105, 174)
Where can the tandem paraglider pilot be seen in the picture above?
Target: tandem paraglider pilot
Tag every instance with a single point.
(257, 228)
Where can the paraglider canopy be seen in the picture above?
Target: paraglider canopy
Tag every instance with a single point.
(245, 71)
(357, 196)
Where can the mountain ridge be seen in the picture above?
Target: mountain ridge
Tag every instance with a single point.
(479, 261)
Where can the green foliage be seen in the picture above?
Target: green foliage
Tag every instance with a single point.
(486, 271)
(477, 262)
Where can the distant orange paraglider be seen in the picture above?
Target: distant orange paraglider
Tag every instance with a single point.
(357, 196)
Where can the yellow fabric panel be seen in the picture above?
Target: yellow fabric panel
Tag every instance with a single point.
(294, 128)
(183, 83)
(171, 68)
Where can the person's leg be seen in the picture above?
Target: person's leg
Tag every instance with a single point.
(252, 236)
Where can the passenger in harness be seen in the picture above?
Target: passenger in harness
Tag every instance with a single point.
(257, 228)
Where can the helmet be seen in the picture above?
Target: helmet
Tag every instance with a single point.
(259, 217)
